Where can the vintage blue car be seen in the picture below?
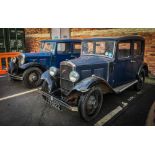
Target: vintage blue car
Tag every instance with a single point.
(29, 66)
(106, 65)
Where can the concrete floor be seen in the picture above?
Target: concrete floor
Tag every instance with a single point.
(29, 109)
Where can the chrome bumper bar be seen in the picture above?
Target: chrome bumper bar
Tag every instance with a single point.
(15, 77)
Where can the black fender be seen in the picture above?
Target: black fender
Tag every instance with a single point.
(52, 82)
(86, 84)
(145, 67)
(32, 64)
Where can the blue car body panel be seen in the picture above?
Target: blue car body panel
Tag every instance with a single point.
(44, 60)
(114, 71)
(48, 59)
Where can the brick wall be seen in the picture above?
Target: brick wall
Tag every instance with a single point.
(148, 34)
(33, 37)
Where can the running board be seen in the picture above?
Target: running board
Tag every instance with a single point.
(123, 87)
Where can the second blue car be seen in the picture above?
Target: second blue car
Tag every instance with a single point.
(28, 67)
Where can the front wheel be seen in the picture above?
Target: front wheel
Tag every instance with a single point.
(90, 104)
(32, 77)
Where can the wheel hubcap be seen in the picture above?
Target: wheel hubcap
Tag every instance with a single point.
(33, 77)
(91, 105)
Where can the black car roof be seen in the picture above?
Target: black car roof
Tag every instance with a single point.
(116, 38)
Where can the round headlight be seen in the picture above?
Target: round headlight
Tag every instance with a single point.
(14, 60)
(53, 71)
(22, 60)
(74, 76)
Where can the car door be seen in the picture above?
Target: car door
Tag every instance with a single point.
(137, 59)
(76, 50)
(123, 71)
(63, 52)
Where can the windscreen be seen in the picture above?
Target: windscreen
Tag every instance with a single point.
(105, 48)
(48, 46)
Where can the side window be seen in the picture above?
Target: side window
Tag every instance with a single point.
(124, 50)
(90, 48)
(76, 47)
(63, 48)
(137, 48)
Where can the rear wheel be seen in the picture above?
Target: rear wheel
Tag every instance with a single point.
(32, 77)
(90, 104)
(141, 79)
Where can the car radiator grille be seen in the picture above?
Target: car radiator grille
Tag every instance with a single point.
(66, 84)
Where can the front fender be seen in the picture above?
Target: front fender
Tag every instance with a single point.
(52, 84)
(32, 64)
(86, 84)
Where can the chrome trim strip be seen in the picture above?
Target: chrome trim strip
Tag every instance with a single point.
(73, 68)
(72, 64)
(108, 72)
(117, 90)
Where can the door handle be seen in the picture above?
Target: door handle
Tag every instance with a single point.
(132, 61)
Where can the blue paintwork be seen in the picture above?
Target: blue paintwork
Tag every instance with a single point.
(114, 71)
(44, 60)
(87, 83)
(87, 64)
(48, 59)
(51, 82)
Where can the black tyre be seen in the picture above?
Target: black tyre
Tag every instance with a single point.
(141, 79)
(90, 104)
(44, 88)
(32, 77)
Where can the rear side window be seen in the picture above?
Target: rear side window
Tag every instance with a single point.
(76, 47)
(124, 50)
(63, 48)
(90, 48)
(137, 48)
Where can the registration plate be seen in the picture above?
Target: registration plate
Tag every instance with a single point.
(53, 103)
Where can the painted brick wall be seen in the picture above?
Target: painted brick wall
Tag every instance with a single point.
(148, 34)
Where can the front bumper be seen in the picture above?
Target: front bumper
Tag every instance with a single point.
(57, 103)
(16, 77)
